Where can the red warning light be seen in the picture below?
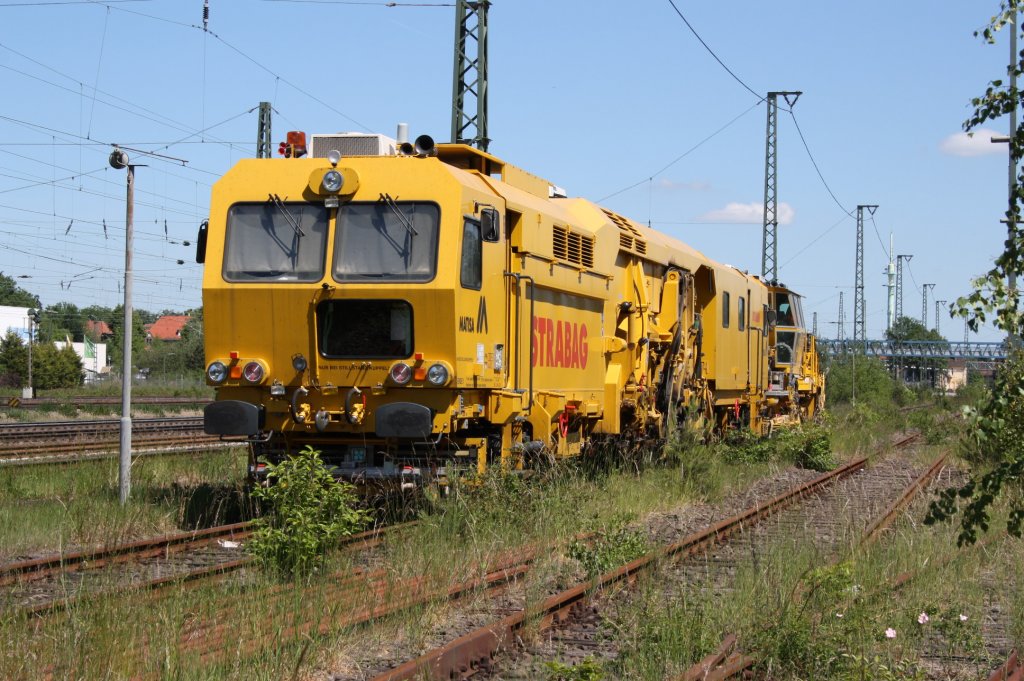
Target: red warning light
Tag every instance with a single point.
(294, 146)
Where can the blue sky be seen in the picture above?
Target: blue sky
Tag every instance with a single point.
(599, 97)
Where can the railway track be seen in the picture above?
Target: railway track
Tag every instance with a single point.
(50, 402)
(828, 502)
(52, 583)
(67, 441)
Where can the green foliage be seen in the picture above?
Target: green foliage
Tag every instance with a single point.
(859, 379)
(996, 431)
(60, 322)
(51, 368)
(55, 368)
(191, 343)
(13, 361)
(908, 329)
(585, 670)
(874, 667)
(611, 548)
(15, 296)
(308, 511)
(116, 344)
(808, 446)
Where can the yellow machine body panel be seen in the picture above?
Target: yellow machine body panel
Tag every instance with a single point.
(406, 314)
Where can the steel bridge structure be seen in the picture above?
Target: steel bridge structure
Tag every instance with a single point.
(891, 349)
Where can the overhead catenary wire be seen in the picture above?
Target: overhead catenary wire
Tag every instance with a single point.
(252, 60)
(679, 158)
(712, 53)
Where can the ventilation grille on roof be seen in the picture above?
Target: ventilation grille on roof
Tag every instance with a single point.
(352, 144)
(572, 247)
(629, 236)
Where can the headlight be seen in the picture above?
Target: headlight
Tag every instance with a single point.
(298, 363)
(332, 181)
(217, 372)
(437, 374)
(401, 373)
(253, 372)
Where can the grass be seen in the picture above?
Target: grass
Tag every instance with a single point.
(476, 524)
(56, 507)
(806, 619)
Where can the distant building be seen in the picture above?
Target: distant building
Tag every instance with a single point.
(167, 328)
(98, 330)
(14, 319)
(94, 359)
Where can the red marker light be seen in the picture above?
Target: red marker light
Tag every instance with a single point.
(233, 354)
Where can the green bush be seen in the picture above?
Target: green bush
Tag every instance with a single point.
(307, 512)
(807, 446)
(588, 669)
(612, 548)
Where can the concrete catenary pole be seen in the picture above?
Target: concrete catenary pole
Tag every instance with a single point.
(118, 160)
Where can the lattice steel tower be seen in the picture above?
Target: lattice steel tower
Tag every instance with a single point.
(769, 235)
(924, 303)
(899, 284)
(469, 83)
(938, 324)
(263, 136)
(859, 306)
(842, 317)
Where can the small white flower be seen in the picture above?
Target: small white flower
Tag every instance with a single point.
(922, 618)
(963, 617)
(839, 615)
(890, 633)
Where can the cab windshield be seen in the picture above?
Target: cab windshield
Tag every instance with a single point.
(386, 240)
(275, 241)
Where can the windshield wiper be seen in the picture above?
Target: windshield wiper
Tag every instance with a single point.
(276, 200)
(390, 202)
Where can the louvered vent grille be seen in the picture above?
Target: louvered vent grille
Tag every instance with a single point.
(572, 247)
(560, 245)
(629, 237)
(587, 252)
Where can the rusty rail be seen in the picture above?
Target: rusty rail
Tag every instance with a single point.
(475, 651)
(39, 568)
(1011, 670)
(889, 515)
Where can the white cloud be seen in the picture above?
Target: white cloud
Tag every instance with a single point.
(976, 144)
(747, 212)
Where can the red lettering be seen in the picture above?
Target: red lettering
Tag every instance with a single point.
(549, 325)
(536, 327)
(559, 345)
(583, 346)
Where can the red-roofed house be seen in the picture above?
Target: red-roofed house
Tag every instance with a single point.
(167, 328)
(98, 330)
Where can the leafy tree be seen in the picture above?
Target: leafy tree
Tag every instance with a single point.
(192, 344)
(162, 358)
(992, 299)
(61, 320)
(13, 361)
(55, 368)
(907, 329)
(115, 349)
(15, 296)
(856, 377)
